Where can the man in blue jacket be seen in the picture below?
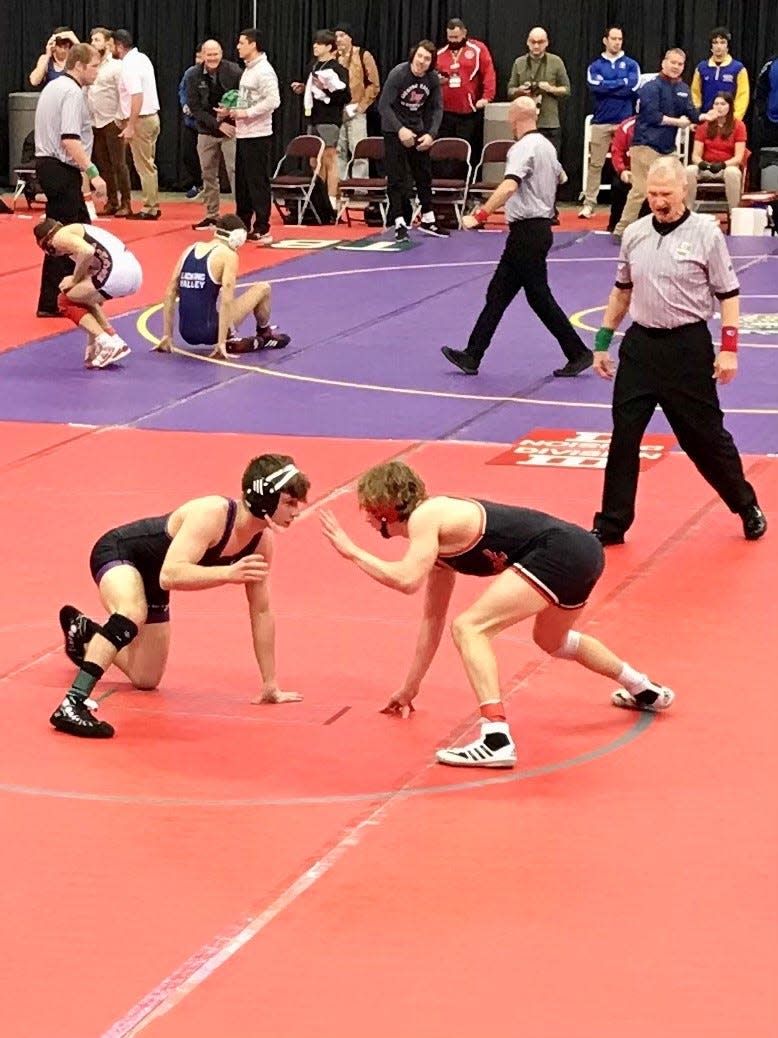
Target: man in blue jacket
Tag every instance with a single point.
(767, 102)
(613, 82)
(665, 108)
(189, 156)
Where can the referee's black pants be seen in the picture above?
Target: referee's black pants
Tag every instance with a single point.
(671, 368)
(64, 202)
(523, 265)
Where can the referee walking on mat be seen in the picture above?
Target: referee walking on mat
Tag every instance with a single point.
(528, 192)
(671, 266)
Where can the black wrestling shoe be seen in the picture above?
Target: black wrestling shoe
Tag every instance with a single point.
(606, 539)
(401, 233)
(74, 717)
(575, 367)
(78, 630)
(434, 230)
(754, 523)
(461, 359)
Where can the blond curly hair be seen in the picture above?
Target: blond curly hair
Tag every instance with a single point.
(393, 486)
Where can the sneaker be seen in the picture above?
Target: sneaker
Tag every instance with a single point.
(575, 367)
(655, 698)
(271, 339)
(434, 230)
(74, 716)
(204, 224)
(145, 214)
(78, 630)
(754, 523)
(461, 359)
(494, 749)
(401, 233)
(606, 539)
(111, 350)
(193, 192)
(586, 213)
(260, 239)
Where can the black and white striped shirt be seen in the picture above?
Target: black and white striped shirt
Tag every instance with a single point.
(675, 271)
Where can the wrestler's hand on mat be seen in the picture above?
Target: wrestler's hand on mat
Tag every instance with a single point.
(404, 697)
(271, 693)
(248, 570)
(165, 345)
(335, 534)
(725, 367)
(220, 350)
(604, 365)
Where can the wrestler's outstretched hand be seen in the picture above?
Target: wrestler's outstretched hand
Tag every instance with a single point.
(400, 700)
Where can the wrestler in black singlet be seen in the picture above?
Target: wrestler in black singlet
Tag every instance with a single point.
(562, 560)
(143, 544)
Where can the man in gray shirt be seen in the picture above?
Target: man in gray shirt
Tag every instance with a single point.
(672, 266)
(532, 173)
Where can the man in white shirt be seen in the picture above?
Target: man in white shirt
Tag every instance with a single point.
(258, 98)
(140, 118)
(109, 151)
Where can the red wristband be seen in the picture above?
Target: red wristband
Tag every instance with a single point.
(729, 339)
(480, 215)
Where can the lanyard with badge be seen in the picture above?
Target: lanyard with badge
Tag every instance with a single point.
(454, 79)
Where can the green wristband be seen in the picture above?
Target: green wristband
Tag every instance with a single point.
(602, 340)
(92, 171)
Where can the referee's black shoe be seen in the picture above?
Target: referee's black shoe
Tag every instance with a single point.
(754, 523)
(575, 367)
(461, 359)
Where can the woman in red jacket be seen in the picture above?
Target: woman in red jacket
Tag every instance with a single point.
(719, 149)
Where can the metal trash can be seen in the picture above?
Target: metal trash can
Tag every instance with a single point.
(21, 121)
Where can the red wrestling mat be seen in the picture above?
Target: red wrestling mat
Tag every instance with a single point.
(157, 246)
(306, 869)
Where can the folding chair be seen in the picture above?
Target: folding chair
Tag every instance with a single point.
(451, 190)
(494, 153)
(296, 188)
(711, 196)
(364, 189)
(604, 180)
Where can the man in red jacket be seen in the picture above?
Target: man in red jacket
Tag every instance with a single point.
(468, 84)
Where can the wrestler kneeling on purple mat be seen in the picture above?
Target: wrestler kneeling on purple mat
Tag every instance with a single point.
(209, 311)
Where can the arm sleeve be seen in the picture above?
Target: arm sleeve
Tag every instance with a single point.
(619, 151)
(650, 112)
(386, 100)
(513, 80)
(374, 80)
(270, 99)
(488, 76)
(721, 275)
(205, 121)
(72, 115)
(436, 106)
(518, 165)
(762, 87)
(742, 94)
(623, 269)
(562, 79)
(132, 81)
(697, 88)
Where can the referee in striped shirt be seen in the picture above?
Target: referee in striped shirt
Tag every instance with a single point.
(672, 265)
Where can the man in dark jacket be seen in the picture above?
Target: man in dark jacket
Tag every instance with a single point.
(206, 84)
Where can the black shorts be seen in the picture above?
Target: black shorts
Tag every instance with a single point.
(564, 565)
(111, 550)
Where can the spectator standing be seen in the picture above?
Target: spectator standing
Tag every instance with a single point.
(109, 151)
(543, 77)
(326, 93)
(622, 179)
(140, 115)
(411, 112)
(718, 153)
(51, 63)
(466, 70)
(63, 153)
(258, 98)
(767, 102)
(528, 190)
(189, 157)
(365, 85)
(665, 107)
(671, 268)
(206, 85)
(613, 82)
(721, 72)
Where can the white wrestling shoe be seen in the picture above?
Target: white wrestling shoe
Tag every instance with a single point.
(110, 348)
(655, 698)
(494, 749)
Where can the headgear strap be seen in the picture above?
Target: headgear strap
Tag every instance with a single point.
(234, 238)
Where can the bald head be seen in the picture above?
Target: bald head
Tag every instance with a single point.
(523, 116)
(537, 41)
(211, 54)
(668, 167)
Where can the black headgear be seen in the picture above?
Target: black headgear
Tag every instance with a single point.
(263, 495)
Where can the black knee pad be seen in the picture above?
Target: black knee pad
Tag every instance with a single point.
(119, 630)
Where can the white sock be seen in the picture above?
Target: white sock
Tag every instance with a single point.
(400, 222)
(103, 339)
(487, 727)
(333, 202)
(428, 218)
(633, 680)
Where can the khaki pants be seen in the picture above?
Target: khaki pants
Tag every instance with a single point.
(730, 176)
(351, 133)
(599, 146)
(209, 151)
(640, 159)
(143, 146)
